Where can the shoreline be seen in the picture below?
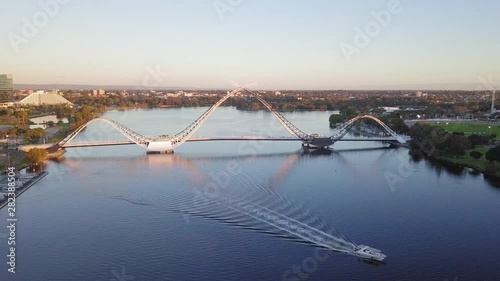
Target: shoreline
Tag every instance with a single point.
(465, 165)
(475, 168)
(26, 186)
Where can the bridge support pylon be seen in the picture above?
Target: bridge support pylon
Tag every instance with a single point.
(160, 147)
(318, 142)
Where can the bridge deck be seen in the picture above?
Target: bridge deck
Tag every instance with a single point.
(229, 138)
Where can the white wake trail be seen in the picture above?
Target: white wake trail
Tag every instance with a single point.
(286, 224)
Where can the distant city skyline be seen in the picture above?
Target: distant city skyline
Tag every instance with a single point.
(284, 45)
(428, 87)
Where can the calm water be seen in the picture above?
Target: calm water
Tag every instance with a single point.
(115, 213)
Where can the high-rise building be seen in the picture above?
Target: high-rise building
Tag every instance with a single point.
(6, 88)
(493, 103)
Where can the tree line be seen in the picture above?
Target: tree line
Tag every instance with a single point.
(434, 141)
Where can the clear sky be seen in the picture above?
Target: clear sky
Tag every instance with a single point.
(278, 44)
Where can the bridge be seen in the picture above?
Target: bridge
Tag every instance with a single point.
(166, 144)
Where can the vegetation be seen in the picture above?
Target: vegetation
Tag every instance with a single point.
(435, 142)
(12, 132)
(480, 140)
(85, 114)
(34, 135)
(493, 154)
(36, 155)
(476, 154)
(493, 169)
(337, 118)
(397, 124)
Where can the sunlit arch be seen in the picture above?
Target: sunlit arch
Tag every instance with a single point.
(347, 126)
(129, 134)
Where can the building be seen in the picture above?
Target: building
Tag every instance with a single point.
(41, 97)
(390, 109)
(493, 103)
(98, 93)
(6, 88)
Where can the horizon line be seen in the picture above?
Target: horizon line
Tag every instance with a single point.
(45, 86)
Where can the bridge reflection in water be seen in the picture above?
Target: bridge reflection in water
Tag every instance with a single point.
(165, 144)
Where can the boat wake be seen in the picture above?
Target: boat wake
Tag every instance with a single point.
(258, 208)
(272, 215)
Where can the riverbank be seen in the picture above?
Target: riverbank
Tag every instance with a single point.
(478, 165)
(454, 148)
(54, 154)
(21, 189)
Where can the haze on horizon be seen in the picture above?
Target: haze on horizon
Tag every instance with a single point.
(283, 44)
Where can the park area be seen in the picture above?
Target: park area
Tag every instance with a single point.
(471, 128)
(468, 161)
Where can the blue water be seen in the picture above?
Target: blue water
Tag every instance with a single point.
(115, 213)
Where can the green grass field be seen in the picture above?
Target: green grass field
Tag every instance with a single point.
(470, 129)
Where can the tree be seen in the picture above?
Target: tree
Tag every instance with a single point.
(63, 111)
(36, 155)
(398, 125)
(458, 145)
(493, 154)
(34, 135)
(478, 140)
(5, 112)
(334, 119)
(475, 154)
(493, 169)
(350, 112)
(22, 116)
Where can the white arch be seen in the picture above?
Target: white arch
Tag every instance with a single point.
(185, 134)
(181, 137)
(347, 126)
(191, 129)
(294, 131)
(129, 134)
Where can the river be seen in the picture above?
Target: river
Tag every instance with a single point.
(116, 213)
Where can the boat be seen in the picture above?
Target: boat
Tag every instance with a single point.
(369, 253)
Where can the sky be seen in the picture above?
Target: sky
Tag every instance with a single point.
(275, 44)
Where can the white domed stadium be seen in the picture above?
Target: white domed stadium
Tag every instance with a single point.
(41, 98)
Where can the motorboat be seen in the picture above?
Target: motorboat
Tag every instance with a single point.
(369, 253)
